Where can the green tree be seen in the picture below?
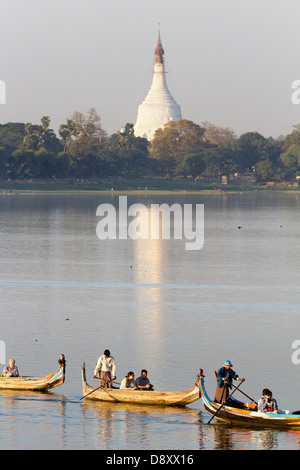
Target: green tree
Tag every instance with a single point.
(265, 170)
(3, 163)
(124, 154)
(24, 164)
(88, 133)
(34, 164)
(45, 163)
(290, 160)
(191, 164)
(83, 138)
(67, 133)
(40, 136)
(292, 139)
(254, 147)
(30, 140)
(175, 140)
(220, 160)
(62, 165)
(11, 137)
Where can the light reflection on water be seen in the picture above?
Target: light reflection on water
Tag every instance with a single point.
(154, 305)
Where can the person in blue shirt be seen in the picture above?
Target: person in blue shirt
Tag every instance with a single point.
(142, 382)
(225, 375)
(267, 404)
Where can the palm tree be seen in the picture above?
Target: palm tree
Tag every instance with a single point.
(67, 132)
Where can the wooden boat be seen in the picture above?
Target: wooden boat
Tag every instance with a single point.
(36, 383)
(151, 397)
(246, 414)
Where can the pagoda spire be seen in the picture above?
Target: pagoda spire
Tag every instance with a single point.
(159, 106)
(159, 51)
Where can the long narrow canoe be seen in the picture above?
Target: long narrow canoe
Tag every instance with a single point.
(36, 383)
(151, 397)
(246, 414)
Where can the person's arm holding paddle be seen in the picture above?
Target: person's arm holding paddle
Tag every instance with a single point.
(105, 369)
(224, 377)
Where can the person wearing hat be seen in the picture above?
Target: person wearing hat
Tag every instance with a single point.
(225, 375)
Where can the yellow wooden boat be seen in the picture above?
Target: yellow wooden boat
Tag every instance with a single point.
(246, 414)
(151, 397)
(36, 383)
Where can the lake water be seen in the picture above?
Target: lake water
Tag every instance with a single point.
(155, 305)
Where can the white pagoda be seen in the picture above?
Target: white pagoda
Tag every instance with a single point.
(159, 106)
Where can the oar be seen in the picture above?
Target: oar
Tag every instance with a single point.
(105, 380)
(236, 388)
(252, 399)
(101, 386)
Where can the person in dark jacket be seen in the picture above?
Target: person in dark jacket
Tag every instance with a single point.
(225, 375)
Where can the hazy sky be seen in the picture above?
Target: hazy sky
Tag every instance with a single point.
(229, 62)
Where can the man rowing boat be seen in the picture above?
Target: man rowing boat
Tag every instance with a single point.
(106, 368)
(225, 375)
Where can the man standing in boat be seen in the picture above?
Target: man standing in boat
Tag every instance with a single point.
(225, 375)
(105, 369)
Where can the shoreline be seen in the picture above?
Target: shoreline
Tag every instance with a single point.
(142, 187)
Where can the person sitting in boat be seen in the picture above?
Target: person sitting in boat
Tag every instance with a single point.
(11, 370)
(105, 369)
(225, 375)
(128, 381)
(142, 382)
(267, 404)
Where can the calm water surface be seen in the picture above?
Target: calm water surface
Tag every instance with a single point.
(155, 306)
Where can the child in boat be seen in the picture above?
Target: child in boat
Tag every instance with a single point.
(267, 404)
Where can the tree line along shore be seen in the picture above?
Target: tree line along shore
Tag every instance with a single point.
(182, 155)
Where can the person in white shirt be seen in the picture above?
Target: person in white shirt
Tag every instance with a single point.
(105, 369)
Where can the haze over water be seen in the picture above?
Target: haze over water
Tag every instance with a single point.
(155, 305)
